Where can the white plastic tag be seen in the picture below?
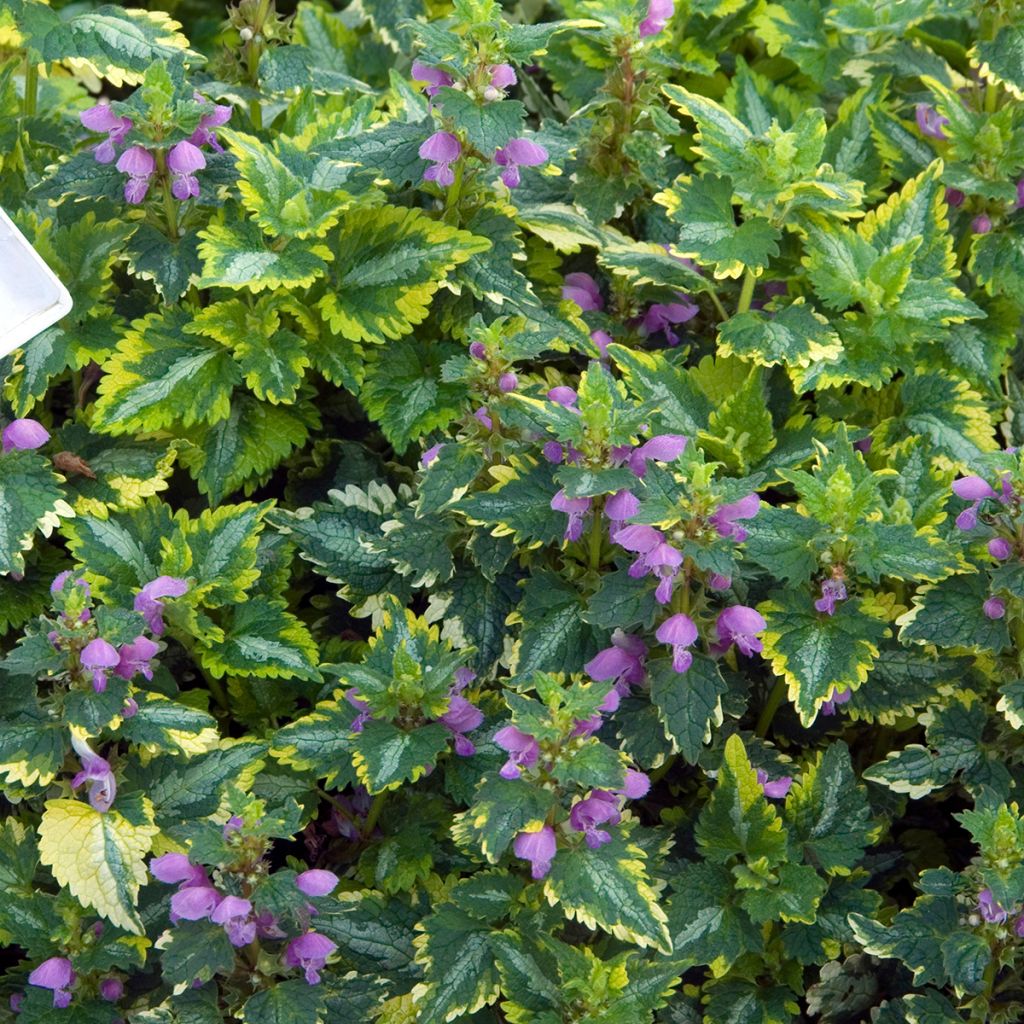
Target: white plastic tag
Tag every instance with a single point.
(31, 297)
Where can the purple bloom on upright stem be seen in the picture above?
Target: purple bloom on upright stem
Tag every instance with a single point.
(975, 490)
(660, 448)
(641, 540)
(663, 316)
(776, 789)
(462, 717)
(989, 909)
(724, 519)
(955, 198)
(441, 149)
(234, 914)
(636, 785)
(503, 75)
(430, 455)
(135, 657)
(111, 989)
(522, 749)
(433, 78)
(183, 161)
(102, 118)
(148, 600)
(740, 625)
(994, 608)
(176, 867)
(622, 505)
(582, 289)
(664, 561)
(310, 952)
(832, 591)
(508, 382)
(622, 663)
(483, 418)
(97, 772)
(232, 826)
(194, 903)
(140, 166)
(204, 135)
(836, 698)
(56, 974)
(564, 396)
(716, 581)
(602, 339)
(658, 13)
(1020, 195)
(575, 509)
(1000, 547)
(600, 808)
(929, 121)
(23, 435)
(982, 224)
(518, 153)
(316, 882)
(680, 633)
(97, 656)
(539, 848)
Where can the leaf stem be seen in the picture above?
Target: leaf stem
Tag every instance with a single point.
(771, 706)
(454, 193)
(596, 536)
(170, 209)
(746, 291)
(29, 100)
(717, 302)
(371, 819)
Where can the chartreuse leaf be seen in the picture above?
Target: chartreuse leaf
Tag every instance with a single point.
(999, 833)
(795, 336)
(99, 856)
(161, 377)
(390, 263)
(166, 725)
(828, 813)
(609, 888)
(30, 500)
(815, 652)
(1001, 58)
(237, 255)
(689, 703)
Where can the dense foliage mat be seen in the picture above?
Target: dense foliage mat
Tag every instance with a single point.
(524, 520)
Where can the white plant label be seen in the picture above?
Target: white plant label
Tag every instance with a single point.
(31, 297)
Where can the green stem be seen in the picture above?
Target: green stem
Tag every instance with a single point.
(371, 819)
(220, 694)
(596, 536)
(29, 100)
(991, 97)
(454, 193)
(170, 207)
(719, 308)
(771, 706)
(746, 291)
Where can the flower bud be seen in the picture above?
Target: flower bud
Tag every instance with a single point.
(508, 382)
(1000, 547)
(245, 33)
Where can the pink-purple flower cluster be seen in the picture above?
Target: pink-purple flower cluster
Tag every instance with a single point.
(23, 435)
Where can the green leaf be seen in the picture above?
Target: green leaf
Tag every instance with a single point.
(828, 813)
(656, 379)
(161, 378)
(783, 542)
(320, 741)
(1001, 58)
(501, 809)
(488, 125)
(32, 749)
(390, 263)
(795, 336)
(609, 888)
(688, 703)
(793, 895)
(99, 856)
(950, 614)
(237, 255)
(170, 265)
(196, 949)
(815, 652)
(519, 504)
(385, 756)
(30, 500)
(737, 820)
(900, 551)
(286, 1002)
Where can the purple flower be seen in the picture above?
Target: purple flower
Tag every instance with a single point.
(310, 952)
(97, 656)
(462, 717)
(642, 540)
(658, 13)
(430, 455)
(1020, 195)
(777, 789)
(989, 909)
(441, 149)
(23, 435)
(955, 198)
(602, 339)
(929, 121)
(583, 290)
(564, 396)
(135, 657)
(56, 974)
(716, 581)
(478, 350)
(463, 677)
(600, 808)
(664, 561)
(622, 505)
(233, 913)
(194, 903)
(111, 989)
(503, 76)
(663, 316)
(508, 382)
(434, 78)
(176, 867)
(183, 161)
(725, 517)
(232, 826)
(836, 698)
(575, 509)
(203, 135)
(975, 490)
(522, 749)
(97, 772)
(622, 663)
(832, 590)
(994, 607)
(539, 848)
(317, 882)
(982, 224)
(637, 784)
(518, 153)
(1000, 547)
(147, 600)
(680, 632)
(483, 418)
(660, 448)
(740, 625)
(102, 119)
(140, 165)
